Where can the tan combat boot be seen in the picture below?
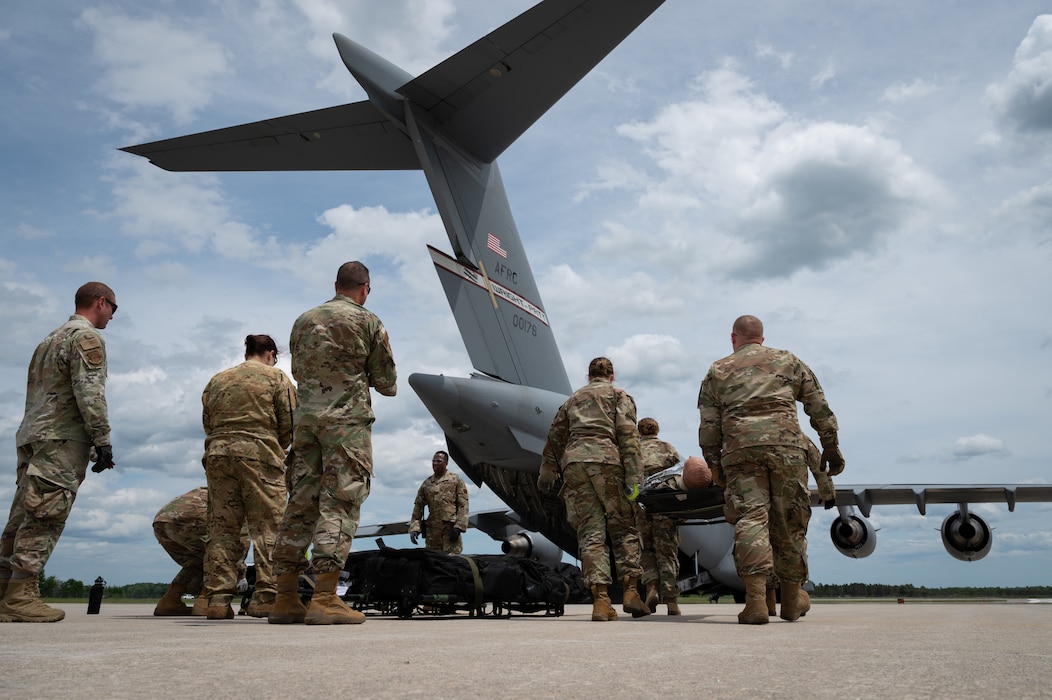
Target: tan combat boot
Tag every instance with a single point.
(261, 604)
(805, 602)
(755, 612)
(287, 608)
(171, 603)
(200, 608)
(772, 601)
(602, 610)
(795, 602)
(652, 595)
(326, 608)
(219, 608)
(630, 601)
(673, 605)
(21, 604)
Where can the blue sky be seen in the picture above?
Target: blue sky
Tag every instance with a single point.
(870, 179)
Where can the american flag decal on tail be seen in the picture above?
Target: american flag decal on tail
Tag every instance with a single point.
(493, 243)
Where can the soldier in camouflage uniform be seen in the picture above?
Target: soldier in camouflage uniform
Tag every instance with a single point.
(181, 527)
(749, 433)
(660, 534)
(827, 494)
(339, 350)
(594, 445)
(446, 498)
(247, 415)
(65, 426)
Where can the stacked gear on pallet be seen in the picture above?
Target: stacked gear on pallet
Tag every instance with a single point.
(406, 581)
(518, 584)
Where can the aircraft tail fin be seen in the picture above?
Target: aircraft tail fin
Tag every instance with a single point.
(507, 335)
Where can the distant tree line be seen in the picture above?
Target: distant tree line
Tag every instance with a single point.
(51, 587)
(908, 590)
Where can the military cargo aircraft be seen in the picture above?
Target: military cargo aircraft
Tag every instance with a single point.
(452, 122)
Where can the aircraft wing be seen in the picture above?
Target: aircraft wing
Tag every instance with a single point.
(505, 526)
(348, 137)
(920, 495)
(707, 503)
(382, 530)
(488, 94)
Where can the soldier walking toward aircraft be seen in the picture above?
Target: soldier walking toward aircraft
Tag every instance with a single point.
(446, 498)
(181, 527)
(339, 350)
(247, 415)
(749, 431)
(66, 420)
(660, 534)
(594, 445)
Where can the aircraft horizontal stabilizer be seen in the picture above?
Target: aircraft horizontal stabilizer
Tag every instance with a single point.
(354, 136)
(488, 94)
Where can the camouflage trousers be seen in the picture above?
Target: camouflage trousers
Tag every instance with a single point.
(241, 492)
(186, 547)
(331, 475)
(596, 506)
(436, 537)
(769, 504)
(660, 553)
(49, 473)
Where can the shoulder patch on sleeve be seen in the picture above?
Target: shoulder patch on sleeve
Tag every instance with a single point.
(90, 347)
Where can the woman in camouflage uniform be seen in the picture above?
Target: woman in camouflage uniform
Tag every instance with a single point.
(594, 445)
(247, 415)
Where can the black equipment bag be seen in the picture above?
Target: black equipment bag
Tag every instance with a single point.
(401, 581)
(404, 581)
(526, 585)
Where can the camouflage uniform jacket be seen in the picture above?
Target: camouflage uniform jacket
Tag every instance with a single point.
(748, 399)
(66, 387)
(657, 454)
(339, 350)
(446, 498)
(247, 412)
(596, 424)
(189, 510)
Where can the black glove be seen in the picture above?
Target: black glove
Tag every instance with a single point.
(546, 482)
(829, 504)
(454, 535)
(414, 537)
(832, 458)
(832, 461)
(103, 458)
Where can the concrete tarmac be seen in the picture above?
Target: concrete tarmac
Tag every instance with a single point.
(849, 650)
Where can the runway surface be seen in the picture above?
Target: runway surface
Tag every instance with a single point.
(852, 650)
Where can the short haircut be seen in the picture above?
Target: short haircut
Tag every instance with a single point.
(259, 345)
(88, 293)
(352, 274)
(600, 367)
(445, 455)
(648, 426)
(748, 327)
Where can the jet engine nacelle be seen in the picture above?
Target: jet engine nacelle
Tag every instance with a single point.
(852, 535)
(533, 545)
(966, 536)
